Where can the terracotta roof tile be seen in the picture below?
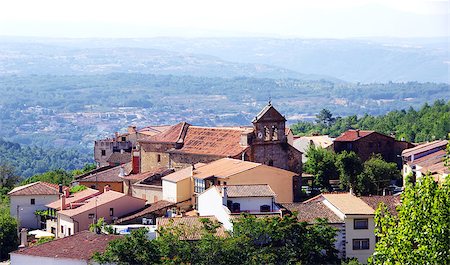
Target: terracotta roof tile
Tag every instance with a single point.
(170, 135)
(193, 224)
(156, 206)
(91, 203)
(310, 211)
(109, 175)
(75, 198)
(213, 141)
(80, 246)
(36, 188)
(352, 135)
(147, 174)
(424, 147)
(153, 130)
(260, 190)
(224, 168)
(348, 204)
(392, 202)
(119, 158)
(182, 174)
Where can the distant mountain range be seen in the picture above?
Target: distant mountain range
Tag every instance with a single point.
(363, 60)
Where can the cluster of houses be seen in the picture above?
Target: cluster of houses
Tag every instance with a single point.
(149, 176)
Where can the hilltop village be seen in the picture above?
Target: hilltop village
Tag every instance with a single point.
(157, 176)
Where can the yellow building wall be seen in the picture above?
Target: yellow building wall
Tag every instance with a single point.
(280, 181)
(363, 254)
(149, 160)
(185, 189)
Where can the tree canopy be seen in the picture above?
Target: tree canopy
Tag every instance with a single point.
(429, 123)
(419, 234)
(273, 240)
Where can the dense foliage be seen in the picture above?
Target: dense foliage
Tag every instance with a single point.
(420, 232)
(59, 176)
(31, 160)
(253, 241)
(428, 123)
(364, 178)
(8, 231)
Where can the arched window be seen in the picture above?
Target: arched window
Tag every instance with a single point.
(266, 134)
(274, 133)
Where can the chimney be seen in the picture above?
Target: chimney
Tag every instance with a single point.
(121, 151)
(63, 202)
(357, 133)
(135, 161)
(67, 192)
(225, 195)
(192, 169)
(121, 171)
(106, 188)
(116, 134)
(23, 238)
(60, 186)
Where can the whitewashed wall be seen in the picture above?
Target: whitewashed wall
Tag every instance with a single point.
(210, 204)
(169, 191)
(22, 205)
(19, 259)
(252, 203)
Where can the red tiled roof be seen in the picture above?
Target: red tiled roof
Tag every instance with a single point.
(352, 135)
(119, 158)
(109, 175)
(310, 211)
(75, 198)
(390, 201)
(192, 224)
(213, 141)
(156, 206)
(424, 147)
(257, 190)
(430, 159)
(36, 188)
(80, 246)
(171, 135)
(144, 175)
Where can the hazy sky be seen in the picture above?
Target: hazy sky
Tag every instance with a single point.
(194, 18)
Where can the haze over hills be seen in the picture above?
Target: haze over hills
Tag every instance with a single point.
(353, 60)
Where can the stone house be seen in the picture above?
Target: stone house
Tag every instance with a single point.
(367, 143)
(266, 141)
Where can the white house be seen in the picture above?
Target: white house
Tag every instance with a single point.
(26, 199)
(351, 215)
(225, 201)
(72, 250)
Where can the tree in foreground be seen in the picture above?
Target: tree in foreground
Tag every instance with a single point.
(8, 234)
(322, 164)
(273, 240)
(420, 234)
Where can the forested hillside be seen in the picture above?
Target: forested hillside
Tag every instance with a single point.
(428, 123)
(30, 160)
(73, 111)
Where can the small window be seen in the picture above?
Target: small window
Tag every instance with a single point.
(361, 223)
(218, 182)
(93, 187)
(103, 152)
(91, 216)
(62, 229)
(270, 163)
(124, 138)
(111, 211)
(225, 183)
(33, 202)
(69, 232)
(359, 244)
(158, 157)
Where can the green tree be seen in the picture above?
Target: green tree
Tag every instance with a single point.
(8, 178)
(8, 234)
(349, 166)
(376, 175)
(419, 234)
(325, 118)
(322, 164)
